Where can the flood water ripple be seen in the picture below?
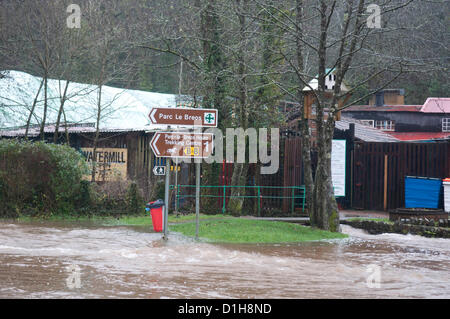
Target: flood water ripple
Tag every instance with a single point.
(38, 261)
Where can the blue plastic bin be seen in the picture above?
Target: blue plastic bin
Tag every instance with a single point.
(422, 192)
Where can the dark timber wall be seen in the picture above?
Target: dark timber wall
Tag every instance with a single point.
(365, 178)
(403, 159)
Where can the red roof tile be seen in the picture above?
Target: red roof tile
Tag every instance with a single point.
(419, 136)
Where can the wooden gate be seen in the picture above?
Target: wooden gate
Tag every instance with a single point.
(293, 168)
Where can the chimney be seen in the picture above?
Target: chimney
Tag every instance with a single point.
(379, 98)
(388, 97)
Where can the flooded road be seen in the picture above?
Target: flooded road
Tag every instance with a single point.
(85, 261)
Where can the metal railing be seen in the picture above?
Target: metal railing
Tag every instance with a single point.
(296, 193)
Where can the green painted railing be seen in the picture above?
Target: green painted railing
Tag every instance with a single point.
(297, 192)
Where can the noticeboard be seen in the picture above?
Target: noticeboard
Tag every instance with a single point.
(338, 164)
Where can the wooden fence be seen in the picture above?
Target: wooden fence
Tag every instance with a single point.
(379, 171)
(292, 166)
(375, 171)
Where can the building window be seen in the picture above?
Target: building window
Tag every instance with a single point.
(385, 125)
(370, 123)
(446, 125)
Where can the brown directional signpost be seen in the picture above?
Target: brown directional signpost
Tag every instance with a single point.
(183, 144)
(183, 116)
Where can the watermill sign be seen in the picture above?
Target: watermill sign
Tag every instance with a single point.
(111, 163)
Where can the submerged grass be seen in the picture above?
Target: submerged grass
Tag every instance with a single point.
(213, 228)
(241, 230)
(123, 220)
(146, 220)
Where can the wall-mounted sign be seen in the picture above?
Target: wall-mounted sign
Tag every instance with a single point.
(111, 163)
(338, 162)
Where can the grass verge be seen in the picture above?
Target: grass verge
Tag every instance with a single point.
(146, 220)
(241, 230)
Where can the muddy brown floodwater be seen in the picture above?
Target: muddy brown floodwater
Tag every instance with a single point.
(85, 261)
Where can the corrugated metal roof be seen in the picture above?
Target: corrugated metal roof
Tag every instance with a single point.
(35, 130)
(384, 108)
(364, 132)
(121, 108)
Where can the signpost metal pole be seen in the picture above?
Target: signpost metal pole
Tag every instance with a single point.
(197, 193)
(176, 185)
(166, 198)
(197, 197)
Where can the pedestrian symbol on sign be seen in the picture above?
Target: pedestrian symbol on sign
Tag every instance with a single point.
(209, 118)
(159, 170)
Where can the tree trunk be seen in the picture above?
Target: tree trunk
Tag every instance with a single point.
(44, 117)
(325, 214)
(239, 177)
(66, 130)
(325, 210)
(306, 140)
(213, 83)
(97, 132)
(32, 109)
(60, 111)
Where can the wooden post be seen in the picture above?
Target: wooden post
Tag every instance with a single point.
(308, 102)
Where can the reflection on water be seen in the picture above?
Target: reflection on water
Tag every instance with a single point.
(126, 262)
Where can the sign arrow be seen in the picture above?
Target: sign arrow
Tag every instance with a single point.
(182, 144)
(152, 115)
(153, 144)
(184, 116)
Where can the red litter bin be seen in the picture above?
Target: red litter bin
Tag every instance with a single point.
(156, 209)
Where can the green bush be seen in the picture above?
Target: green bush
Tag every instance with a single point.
(159, 190)
(135, 201)
(37, 178)
(116, 197)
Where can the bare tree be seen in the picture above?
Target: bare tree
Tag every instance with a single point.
(109, 54)
(37, 40)
(333, 34)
